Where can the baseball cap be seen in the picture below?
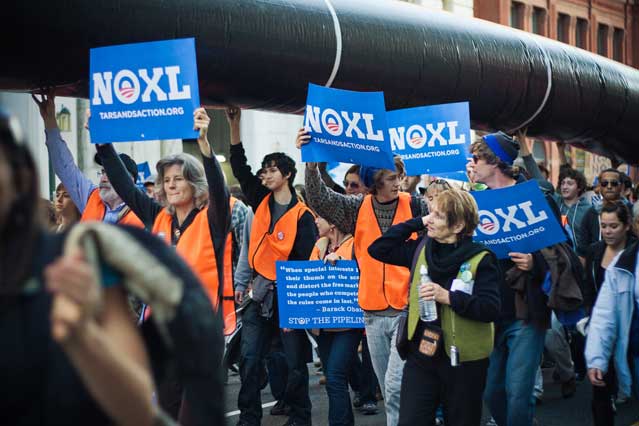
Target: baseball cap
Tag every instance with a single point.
(130, 165)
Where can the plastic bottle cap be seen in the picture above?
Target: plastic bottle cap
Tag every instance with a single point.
(423, 270)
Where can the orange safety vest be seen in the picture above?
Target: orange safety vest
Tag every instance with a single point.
(95, 211)
(196, 248)
(345, 250)
(381, 285)
(265, 248)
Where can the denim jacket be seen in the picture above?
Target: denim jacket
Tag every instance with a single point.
(611, 318)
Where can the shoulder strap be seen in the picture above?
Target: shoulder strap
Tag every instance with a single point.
(413, 290)
(475, 261)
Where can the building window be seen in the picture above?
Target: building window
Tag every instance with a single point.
(538, 23)
(617, 45)
(602, 40)
(563, 25)
(581, 33)
(517, 15)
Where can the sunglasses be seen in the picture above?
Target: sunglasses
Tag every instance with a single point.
(613, 183)
(348, 184)
(475, 159)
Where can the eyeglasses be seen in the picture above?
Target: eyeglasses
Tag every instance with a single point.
(349, 184)
(475, 159)
(613, 183)
(440, 182)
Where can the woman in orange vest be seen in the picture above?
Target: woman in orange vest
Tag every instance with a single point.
(337, 347)
(193, 217)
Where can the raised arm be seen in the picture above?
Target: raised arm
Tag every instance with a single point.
(341, 208)
(529, 161)
(219, 209)
(251, 185)
(143, 206)
(78, 186)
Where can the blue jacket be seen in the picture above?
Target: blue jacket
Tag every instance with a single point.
(611, 318)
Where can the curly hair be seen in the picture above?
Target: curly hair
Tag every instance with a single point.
(576, 175)
(481, 149)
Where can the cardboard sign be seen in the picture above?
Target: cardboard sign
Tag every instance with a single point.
(314, 294)
(432, 139)
(346, 126)
(516, 219)
(143, 91)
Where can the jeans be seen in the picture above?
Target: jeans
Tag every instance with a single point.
(257, 333)
(511, 373)
(277, 369)
(338, 350)
(362, 378)
(381, 332)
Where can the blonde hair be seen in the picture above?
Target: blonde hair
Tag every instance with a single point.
(459, 207)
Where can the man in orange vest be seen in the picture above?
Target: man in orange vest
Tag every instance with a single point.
(283, 229)
(99, 203)
(383, 289)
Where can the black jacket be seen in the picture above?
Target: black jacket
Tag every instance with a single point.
(395, 248)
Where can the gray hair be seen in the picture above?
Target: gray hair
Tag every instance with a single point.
(193, 172)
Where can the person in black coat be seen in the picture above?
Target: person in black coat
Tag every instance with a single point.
(447, 247)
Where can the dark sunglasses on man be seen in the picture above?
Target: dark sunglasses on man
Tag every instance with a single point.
(613, 183)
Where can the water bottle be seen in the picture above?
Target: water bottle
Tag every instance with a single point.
(427, 308)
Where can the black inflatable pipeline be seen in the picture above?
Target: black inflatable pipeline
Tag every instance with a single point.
(261, 54)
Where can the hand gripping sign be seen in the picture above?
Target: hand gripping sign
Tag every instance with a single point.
(314, 294)
(346, 126)
(516, 219)
(431, 139)
(143, 91)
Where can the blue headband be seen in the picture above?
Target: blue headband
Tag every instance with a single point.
(366, 174)
(493, 144)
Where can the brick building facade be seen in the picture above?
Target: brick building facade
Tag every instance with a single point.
(607, 27)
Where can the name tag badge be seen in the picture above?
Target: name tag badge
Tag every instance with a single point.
(460, 285)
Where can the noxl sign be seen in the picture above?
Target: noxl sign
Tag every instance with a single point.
(346, 126)
(516, 219)
(431, 139)
(143, 91)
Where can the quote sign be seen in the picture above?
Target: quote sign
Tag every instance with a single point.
(314, 294)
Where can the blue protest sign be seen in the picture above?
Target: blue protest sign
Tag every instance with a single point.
(144, 171)
(516, 219)
(346, 126)
(143, 91)
(314, 294)
(431, 139)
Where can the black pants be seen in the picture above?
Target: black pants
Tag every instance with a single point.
(427, 383)
(257, 334)
(602, 396)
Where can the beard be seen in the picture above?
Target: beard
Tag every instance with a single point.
(109, 196)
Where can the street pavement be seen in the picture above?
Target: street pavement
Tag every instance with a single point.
(553, 411)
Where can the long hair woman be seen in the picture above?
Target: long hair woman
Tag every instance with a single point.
(446, 357)
(337, 347)
(615, 223)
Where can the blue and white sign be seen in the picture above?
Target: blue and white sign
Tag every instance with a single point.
(346, 126)
(143, 91)
(144, 171)
(431, 139)
(314, 294)
(516, 219)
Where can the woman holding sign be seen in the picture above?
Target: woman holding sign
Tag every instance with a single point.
(446, 353)
(337, 347)
(194, 221)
